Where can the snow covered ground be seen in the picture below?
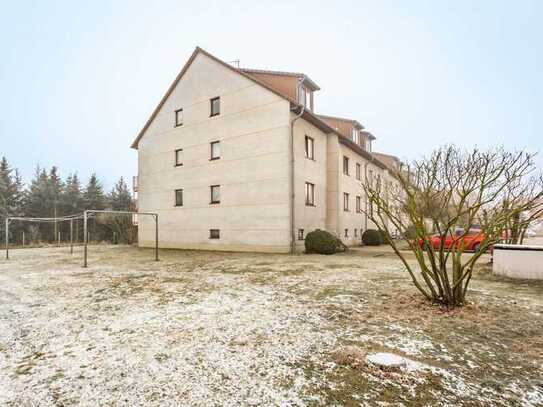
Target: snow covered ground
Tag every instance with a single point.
(230, 329)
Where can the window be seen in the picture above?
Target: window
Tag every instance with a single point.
(178, 197)
(358, 204)
(178, 157)
(214, 234)
(300, 234)
(309, 148)
(304, 97)
(356, 136)
(215, 194)
(356, 233)
(346, 232)
(345, 201)
(309, 194)
(215, 106)
(358, 172)
(215, 150)
(179, 117)
(345, 165)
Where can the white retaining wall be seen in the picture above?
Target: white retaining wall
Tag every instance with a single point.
(518, 261)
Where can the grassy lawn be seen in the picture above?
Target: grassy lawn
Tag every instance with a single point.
(203, 328)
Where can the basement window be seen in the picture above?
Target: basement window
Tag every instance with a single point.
(214, 234)
(301, 234)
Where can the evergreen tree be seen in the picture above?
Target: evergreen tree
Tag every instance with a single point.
(37, 204)
(72, 199)
(55, 190)
(11, 198)
(120, 198)
(11, 190)
(93, 196)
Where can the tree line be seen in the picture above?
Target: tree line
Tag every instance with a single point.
(49, 196)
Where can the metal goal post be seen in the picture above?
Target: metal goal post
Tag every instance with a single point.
(91, 212)
(58, 220)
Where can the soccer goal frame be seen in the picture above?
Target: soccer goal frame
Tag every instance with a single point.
(70, 218)
(91, 212)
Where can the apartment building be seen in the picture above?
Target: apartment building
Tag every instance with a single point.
(237, 159)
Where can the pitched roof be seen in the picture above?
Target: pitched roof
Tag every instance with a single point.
(307, 115)
(354, 122)
(300, 75)
(390, 160)
(311, 117)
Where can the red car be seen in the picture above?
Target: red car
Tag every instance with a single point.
(471, 241)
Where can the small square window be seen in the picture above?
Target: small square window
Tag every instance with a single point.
(345, 165)
(309, 148)
(215, 106)
(178, 197)
(345, 201)
(346, 232)
(309, 194)
(178, 117)
(215, 150)
(215, 194)
(178, 157)
(301, 234)
(214, 234)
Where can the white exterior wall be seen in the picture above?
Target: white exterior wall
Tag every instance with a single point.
(333, 174)
(253, 128)
(351, 219)
(306, 217)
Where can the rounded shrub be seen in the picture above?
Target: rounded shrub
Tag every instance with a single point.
(372, 237)
(322, 242)
(383, 236)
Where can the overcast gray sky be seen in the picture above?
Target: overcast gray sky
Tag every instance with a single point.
(79, 79)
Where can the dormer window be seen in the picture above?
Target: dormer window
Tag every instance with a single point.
(304, 97)
(355, 136)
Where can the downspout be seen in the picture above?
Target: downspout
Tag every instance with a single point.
(291, 181)
(366, 197)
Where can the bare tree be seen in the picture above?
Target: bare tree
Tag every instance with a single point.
(451, 193)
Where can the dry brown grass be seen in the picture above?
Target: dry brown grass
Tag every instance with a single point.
(239, 329)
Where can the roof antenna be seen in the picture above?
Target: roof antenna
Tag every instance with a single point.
(235, 62)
